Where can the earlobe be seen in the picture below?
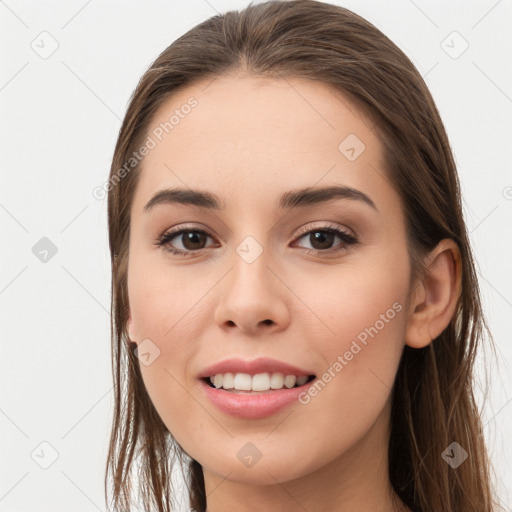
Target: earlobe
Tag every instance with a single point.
(435, 298)
(131, 330)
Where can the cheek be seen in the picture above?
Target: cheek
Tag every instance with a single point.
(165, 300)
(347, 299)
(168, 309)
(360, 336)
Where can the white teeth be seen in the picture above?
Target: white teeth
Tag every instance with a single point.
(289, 381)
(229, 381)
(242, 381)
(277, 381)
(258, 382)
(302, 380)
(261, 382)
(218, 380)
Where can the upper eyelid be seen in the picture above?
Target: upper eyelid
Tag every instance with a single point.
(307, 229)
(301, 229)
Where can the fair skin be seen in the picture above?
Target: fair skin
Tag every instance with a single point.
(248, 141)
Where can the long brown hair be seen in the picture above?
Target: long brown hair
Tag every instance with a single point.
(433, 404)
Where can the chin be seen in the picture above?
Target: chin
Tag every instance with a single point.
(246, 466)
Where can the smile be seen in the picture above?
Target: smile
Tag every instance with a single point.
(253, 404)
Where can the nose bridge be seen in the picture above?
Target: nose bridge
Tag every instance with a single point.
(251, 274)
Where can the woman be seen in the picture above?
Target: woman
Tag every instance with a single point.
(295, 307)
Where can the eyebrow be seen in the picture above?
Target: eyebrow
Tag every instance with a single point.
(294, 198)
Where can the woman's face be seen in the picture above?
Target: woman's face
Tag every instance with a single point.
(265, 276)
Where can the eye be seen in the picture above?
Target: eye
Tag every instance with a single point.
(322, 238)
(191, 240)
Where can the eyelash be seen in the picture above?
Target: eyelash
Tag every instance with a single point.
(347, 239)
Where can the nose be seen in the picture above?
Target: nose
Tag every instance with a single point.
(252, 298)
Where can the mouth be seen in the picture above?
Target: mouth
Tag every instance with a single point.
(262, 395)
(244, 383)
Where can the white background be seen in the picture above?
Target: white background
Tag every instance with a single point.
(59, 121)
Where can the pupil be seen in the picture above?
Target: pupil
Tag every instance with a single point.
(191, 239)
(322, 236)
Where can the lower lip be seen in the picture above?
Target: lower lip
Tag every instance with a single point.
(253, 406)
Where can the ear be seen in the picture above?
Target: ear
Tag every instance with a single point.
(131, 329)
(435, 298)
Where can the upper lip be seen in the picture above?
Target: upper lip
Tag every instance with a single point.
(260, 365)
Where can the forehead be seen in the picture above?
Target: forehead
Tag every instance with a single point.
(245, 137)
